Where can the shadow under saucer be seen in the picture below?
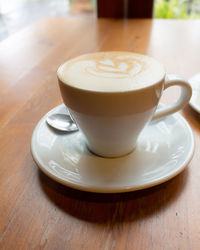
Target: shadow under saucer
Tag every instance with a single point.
(115, 208)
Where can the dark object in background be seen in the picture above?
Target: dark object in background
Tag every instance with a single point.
(125, 8)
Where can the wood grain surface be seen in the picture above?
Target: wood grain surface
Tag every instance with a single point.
(38, 213)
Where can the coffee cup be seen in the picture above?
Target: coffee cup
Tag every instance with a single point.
(112, 96)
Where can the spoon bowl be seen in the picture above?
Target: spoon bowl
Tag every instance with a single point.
(62, 122)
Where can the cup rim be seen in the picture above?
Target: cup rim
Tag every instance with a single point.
(111, 91)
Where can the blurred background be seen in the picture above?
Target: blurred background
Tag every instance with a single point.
(16, 14)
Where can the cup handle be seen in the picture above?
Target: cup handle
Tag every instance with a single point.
(186, 92)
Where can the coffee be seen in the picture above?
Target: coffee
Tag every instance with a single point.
(111, 71)
(112, 96)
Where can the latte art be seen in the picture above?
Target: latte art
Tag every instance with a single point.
(115, 67)
(111, 71)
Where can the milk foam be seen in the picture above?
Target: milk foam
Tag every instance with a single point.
(111, 71)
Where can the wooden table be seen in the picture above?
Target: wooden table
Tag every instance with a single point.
(38, 213)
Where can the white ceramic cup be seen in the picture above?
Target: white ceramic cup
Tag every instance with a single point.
(112, 121)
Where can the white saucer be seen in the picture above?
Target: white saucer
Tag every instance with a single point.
(195, 99)
(164, 149)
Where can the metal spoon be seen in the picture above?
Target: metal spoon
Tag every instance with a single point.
(62, 122)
